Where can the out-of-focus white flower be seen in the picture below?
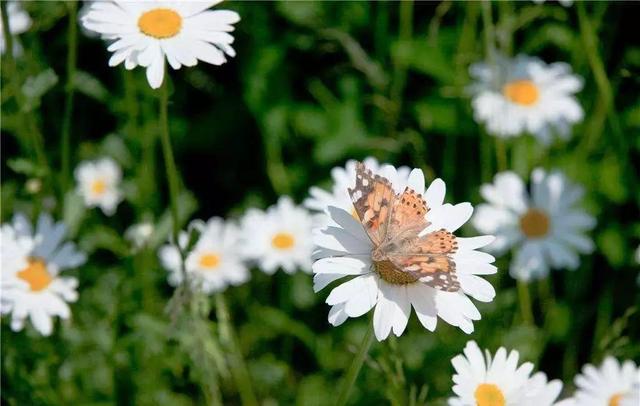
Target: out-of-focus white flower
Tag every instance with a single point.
(31, 265)
(525, 95)
(546, 230)
(98, 182)
(145, 33)
(564, 3)
(213, 263)
(279, 237)
(499, 381)
(345, 249)
(19, 22)
(139, 234)
(344, 178)
(610, 385)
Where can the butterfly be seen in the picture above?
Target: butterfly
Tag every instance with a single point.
(394, 223)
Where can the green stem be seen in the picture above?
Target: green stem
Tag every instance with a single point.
(501, 154)
(525, 302)
(546, 294)
(489, 32)
(238, 366)
(400, 69)
(28, 125)
(172, 176)
(72, 41)
(354, 369)
(169, 162)
(589, 36)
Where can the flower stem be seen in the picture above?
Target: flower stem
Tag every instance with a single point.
(72, 40)
(501, 155)
(169, 162)
(525, 302)
(354, 369)
(172, 176)
(238, 366)
(489, 31)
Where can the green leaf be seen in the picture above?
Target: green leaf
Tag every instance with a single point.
(37, 86)
(425, 58)
(74, 212)
(89, 85)
(26, 167)
(113, 146)
(612, 245)
(438, 115)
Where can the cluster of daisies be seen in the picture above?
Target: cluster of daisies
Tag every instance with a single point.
(497, 380)
(542, 223)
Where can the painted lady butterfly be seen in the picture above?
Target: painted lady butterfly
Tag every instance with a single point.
(394, 222)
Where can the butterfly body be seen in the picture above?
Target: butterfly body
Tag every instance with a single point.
(394, 224)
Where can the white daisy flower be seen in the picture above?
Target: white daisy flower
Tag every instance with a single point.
(98, 182)
(499, 381)
(279, 237)
(525, 94)
(345, 178)
(139, 234)
(146, 32)
(19, 22)
(345, 249)
(214, 261)
(610, 385)
(31, 284)
(546, 230)
(564, 3)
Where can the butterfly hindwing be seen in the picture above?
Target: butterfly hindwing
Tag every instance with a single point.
(437, 271)
(428, 258)
(372, 198)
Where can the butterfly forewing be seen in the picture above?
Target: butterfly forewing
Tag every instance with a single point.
(372, 198)
(407, 217)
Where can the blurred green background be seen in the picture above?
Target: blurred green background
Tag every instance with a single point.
(313, 84)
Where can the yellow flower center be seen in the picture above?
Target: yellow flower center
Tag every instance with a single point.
(390, 273)
(523, 92)
(209, 260)
(616, 399)
(488, 394)
(36, 275)
(283, 241)
(98, 187)
(160, 23)
(535, 223)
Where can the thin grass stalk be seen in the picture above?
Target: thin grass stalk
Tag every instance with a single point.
(351, 375)
(524, 297)
(238, 366)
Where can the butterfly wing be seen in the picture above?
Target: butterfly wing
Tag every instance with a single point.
(437, 271)
(407, 217)
(372, 199)
(429, 258)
